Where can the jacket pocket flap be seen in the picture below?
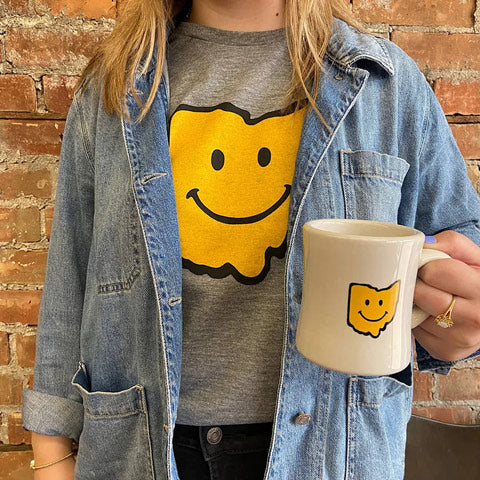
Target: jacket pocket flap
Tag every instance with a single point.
(370, 391)
(369, 163)
(98, 402)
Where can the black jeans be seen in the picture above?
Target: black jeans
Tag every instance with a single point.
(222, 452)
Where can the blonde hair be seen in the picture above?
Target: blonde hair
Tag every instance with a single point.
(308, 26)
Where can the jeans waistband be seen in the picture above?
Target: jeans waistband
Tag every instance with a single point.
(193, 430)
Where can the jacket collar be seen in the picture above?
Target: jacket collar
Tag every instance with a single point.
(346, 46)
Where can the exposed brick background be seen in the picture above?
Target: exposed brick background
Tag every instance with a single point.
(443, 37)
(44, 45)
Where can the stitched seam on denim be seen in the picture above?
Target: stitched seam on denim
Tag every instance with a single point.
(426, 119)
(388, 58)
(84, 139)
(370, 175)
(350, 448)
(147, 432)
(119, 415)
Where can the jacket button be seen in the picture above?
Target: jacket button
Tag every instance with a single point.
(214, 435)
(302, 418)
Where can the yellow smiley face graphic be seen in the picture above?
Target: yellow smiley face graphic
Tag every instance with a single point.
(232, 177)
(371, 309)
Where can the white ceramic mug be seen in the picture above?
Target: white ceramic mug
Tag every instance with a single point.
(359, 277)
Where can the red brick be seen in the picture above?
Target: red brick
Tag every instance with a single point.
(25, 349)
(474, 175)
(7, 224)
(467, 136)
(15, 6)
(422, 386)
(58, 92)
(32, 137)
(454, 51)
(458, 97)
(20, 306)
(462, 384)
(15, 465)
(60, 49)
(17, 93)
(48, 215)
(16, 433)
(16, 183)
(71, 8)
(10, 390)
(22, 266)
(460, 415)
(21, 224)
(454, 13)
(4, 349)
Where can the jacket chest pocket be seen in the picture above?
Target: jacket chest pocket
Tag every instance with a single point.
(372, 184)
(114, 443)
(379, 409)
(117, 245)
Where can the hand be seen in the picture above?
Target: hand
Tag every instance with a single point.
(437, 281)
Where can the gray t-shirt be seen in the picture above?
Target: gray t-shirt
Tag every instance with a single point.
(232, 173)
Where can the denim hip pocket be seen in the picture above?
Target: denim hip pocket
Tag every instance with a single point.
(379, 409)
(115, 442)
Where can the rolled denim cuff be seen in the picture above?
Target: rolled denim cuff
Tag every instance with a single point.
(428, 363)
(51, 415)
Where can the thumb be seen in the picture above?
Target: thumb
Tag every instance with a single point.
(456, 245)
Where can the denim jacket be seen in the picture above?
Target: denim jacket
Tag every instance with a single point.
(109, 337)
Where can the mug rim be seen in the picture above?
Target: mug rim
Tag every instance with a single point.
(410, 233)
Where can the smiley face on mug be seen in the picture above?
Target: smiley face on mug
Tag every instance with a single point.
(371, 309)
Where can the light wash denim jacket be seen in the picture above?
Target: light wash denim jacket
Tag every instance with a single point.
(109, 339)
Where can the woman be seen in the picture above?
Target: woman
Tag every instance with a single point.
(165, 264)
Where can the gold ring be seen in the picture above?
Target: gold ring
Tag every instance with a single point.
(444, 320)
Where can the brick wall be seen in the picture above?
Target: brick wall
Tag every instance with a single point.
(43, 46)
(444, 39)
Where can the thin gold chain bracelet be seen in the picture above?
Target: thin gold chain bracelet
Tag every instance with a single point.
(33, 467)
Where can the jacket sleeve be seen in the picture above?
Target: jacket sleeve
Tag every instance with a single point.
(54, 406)
(447, 199)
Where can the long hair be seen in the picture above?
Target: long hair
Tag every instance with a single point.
(308, 26)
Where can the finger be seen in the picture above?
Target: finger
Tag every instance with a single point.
(460, 336)
(435, 302)
(430, 299)
(453, 276)
(464, 331)
(437, 347)
(457, 246)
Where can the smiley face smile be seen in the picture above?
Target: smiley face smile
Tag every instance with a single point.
(372, 320)
(193, 193)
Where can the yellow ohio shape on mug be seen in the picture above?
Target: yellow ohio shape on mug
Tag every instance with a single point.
(232, 177)
(371, 309)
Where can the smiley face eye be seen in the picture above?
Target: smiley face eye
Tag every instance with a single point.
(380, 302)
(264, 156)
(367, 302)
(217, 159)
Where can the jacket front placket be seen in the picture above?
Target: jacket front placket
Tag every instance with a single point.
(147, 147)
(304, 386)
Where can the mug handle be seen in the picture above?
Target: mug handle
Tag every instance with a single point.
(427, 255)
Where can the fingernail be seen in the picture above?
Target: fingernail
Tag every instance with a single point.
(429, 239)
